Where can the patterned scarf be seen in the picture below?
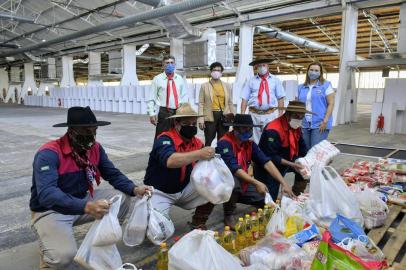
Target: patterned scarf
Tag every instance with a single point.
(92, 172)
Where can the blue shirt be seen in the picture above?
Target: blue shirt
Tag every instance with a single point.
(251, 89)
(225, 149)
(59, 184)
(158, 174)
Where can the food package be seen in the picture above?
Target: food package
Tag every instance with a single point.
(321, 153)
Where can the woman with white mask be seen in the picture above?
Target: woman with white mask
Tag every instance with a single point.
(216, 104)
(318, 95)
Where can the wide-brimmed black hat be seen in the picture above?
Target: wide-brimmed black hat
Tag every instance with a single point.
(81, 117)
(261, 61)
(242, 120)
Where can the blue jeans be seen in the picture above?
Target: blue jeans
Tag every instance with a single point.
(313, 136)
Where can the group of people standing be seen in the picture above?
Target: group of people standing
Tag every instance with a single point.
(66, 171)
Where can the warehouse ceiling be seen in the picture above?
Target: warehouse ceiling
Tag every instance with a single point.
(37, 21)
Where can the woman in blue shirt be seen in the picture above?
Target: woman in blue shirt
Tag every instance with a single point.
(318, 95)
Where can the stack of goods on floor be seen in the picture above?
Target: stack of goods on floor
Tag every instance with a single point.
(323, 229)
(387, 176)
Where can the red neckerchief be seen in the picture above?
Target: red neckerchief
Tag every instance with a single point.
(91, 171)
(243, 153)
(263, 86)
(289, 136)
(182, 147)
(168, 90)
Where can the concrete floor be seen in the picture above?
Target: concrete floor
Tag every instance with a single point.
(128, 142)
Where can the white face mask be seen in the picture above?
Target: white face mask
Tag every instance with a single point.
(216, 75)
(295, 123)
(262, 70)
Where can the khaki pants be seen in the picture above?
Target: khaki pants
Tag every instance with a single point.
(55, 233)
(187, 199)
(262, 119)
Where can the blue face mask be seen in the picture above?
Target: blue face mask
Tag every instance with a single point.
(314, 75)
(169, 68)
(245, 136)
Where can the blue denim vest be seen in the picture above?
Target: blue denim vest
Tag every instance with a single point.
(319, 104)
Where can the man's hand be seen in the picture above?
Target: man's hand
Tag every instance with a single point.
(288, 190)
(296, 166)
(153, 120)
(201, 126)
(206, 153)
(141, 190)
(323, 126)
(97, 209)
(261, 187)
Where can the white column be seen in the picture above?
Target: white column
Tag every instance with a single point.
(244, 71)
(129, 66)
(29, 82)
(67, 72)
(3, 84)
(402, 29)
(94, 68)
(342, 110)
(176, 50)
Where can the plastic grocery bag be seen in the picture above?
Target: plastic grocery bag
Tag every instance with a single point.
(160, 226)
(276, 252)
(268, 199)
(105, 257)
(136, 228)
(213, 180)
(277, 222)
(198, 250)
(329, 196)
(373, 209)
(128, 266)
(331, 256)
(321, 153)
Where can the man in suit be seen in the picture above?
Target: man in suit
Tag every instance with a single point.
(216, 103)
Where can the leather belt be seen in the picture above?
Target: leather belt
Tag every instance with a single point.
(268, 111)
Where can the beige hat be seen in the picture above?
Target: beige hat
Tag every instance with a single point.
(185, 110)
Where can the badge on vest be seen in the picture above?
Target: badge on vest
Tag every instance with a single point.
(225, 150)
(44, 168)
(166, 142)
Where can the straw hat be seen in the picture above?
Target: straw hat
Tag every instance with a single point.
(185, 110)
(295, 106)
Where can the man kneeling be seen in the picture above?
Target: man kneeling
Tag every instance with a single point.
(239, 152)
(171, 162)
(65, 172)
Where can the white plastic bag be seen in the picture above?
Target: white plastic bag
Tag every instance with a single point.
(198, 250)
(105, 257)
(373, 209)
(329, 196)
(136, 228)
(160, 226)
(109, 231)
(321, 153)
(268, 200)
(277, 222)
(128, 266)
(213, 180)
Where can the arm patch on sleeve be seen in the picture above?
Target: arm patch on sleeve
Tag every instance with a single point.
(270, 139)
(44, 168)
(166, 142)
(225, 150)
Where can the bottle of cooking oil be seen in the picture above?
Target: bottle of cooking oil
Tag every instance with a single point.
(248, 230)
(261, 223)
(255, 227)
(241, 240)
(162, 263)
(217, 237)
(228, 240)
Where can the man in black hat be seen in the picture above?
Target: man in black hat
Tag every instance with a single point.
(239, 152)
(65, 174)
(282, 141)
(261, 94)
